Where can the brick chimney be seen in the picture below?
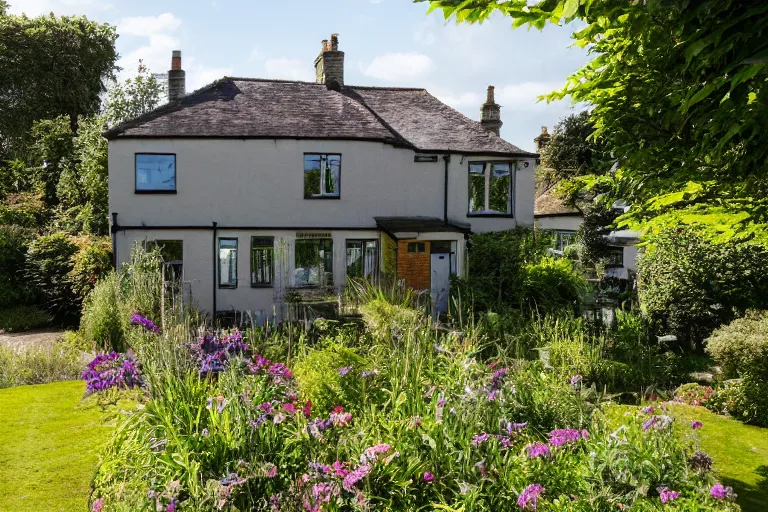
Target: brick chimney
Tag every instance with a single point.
(490, 113)
(329, 65)
(176, 78)
(542, 140)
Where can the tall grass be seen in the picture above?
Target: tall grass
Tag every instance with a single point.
(38, 366)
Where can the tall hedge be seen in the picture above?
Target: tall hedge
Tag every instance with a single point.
(689, 286)
(15, 287)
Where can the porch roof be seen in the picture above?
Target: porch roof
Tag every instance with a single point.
(394, 225)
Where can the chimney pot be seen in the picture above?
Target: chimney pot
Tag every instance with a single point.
(329, 65)
(176, 78)
(542, 140)
(490, 113)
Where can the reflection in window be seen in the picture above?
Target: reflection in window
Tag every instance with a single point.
(616, 257)
(490, 188)
(172, 254)
(155, 173)
(564, 239)
(228, 262)
(416, 247)
(262, 258)
(321, 175)
(314, 262)
(362, 258)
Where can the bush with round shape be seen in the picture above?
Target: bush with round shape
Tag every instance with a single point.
(15, 288)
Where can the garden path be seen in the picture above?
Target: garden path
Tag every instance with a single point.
(23, 341)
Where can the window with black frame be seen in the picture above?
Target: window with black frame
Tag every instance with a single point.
(313, 265)
(490, 188)
(362, 259)
(155, 173)
(322, 176)
(262, 261)
(227, 262)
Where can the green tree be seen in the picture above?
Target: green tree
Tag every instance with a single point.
(51, 154)
(135, 96)
(679, 91)
(50, 66)
(573, 150)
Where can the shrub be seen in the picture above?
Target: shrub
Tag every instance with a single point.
(731, 399)
(23, 319)
(15, 288)
(693, 394)
(92, 261)
(327, 377)
(104, 316)
(741, 347)
(690, 286)
(38, 366)
(49, 262)
(552, 284)
(24, 209)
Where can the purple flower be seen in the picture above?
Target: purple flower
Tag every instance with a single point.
(345, 370)
(172, 505)
(369, 373)
(111, 370)
(480, 438)
(98, 505)
(515, 427)
(372, 454)
(355, 476)
(428, 477)
(661, 422)
(648, 409)
(530, 497)
(696, 425)
(720, 492)
(666, 495)
(149, 326)
(562, 436)
(534, 450)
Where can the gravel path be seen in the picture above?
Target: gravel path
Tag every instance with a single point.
(22, 341)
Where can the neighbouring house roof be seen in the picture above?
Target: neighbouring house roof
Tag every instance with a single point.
(393, 225)
(258, 108)
(547, 204)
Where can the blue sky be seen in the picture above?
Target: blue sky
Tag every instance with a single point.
(386, 43)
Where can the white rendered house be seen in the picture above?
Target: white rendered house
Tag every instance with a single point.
(267, 186)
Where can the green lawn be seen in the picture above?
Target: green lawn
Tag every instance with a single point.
(49, 446)
(740, 454)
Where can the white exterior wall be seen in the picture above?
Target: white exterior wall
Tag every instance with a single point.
(200, 266)
(560, 223)
(260, 184)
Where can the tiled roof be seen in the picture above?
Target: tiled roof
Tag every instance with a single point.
(256, 108)
(548, 204)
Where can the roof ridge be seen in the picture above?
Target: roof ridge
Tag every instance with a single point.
(386, 88)
(271, 80)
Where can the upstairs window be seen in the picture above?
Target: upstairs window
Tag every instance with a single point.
(155, 173)
(564, 238)
(490, 188)
(322, 176)
(262, 258)
(314, 262)
(227, 262)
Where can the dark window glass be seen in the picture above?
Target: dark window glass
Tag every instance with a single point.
(155, 173)
(362, 258)
(172, 253)
(262, 261)
(416, 247)
(322, 175)
(228, 262)
(314, 262)
(564, 239)
(616, 257)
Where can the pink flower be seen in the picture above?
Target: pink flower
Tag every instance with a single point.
(428, 477)
(530, 497)
(534, 450)
(720, 492)
(289, 408)
(98, 505)
(307, 409)
(666, 495)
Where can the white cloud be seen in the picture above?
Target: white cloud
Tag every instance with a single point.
(398, 67)
(199, 76)
(288, 69)
(148, 26)
(525, 95)
(461, 100)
